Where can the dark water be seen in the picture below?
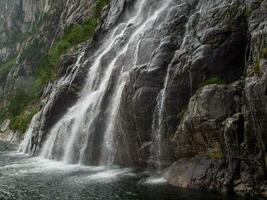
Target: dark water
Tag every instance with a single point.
(24, 178)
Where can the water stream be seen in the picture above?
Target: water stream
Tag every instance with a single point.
(158, 128)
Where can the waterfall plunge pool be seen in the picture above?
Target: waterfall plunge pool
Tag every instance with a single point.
(26, 178)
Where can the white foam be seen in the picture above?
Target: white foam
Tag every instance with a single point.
(38, 164)
(109, 174)
(154, 181)
(103, 176)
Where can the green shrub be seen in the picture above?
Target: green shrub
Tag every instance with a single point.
(3, 114)
(19, 110)
(255, 68)
(99, 5)
(264, 53)
(73, 35)
(212, 80)
(18, 103)
(6, 67)
(32, 51)
(22, 121)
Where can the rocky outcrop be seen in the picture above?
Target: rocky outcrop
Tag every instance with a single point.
(224, 126)
(212, 132)
(6, 134)
(211, 122)
(202, 173)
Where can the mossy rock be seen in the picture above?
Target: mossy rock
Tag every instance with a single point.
(212, 80)
(264, 53)
(216, 155)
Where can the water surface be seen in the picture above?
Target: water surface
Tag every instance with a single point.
(25, 178)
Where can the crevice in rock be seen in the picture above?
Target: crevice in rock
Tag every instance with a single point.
(234, 168)
(240, 129)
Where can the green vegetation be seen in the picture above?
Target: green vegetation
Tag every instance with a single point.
(6, 67)
(3, 114)
(73, 35)
(20, 110)
(264, 53)
(181, 114)
(22, 121)
(18, 103)
(31, 53)
(216, 155)
(255, 68)
(212, 80)
(231, 12)
(248, 11)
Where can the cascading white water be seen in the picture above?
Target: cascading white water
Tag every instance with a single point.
(25, 145)
(158, 128)
(70, 139)
(89, 103)
(108, 146)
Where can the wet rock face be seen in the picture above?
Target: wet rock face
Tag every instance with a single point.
(202, 173)
(202, 128)
(256, 83)
(213, 46)
(145, 82)
(228, 121)
(210, 42)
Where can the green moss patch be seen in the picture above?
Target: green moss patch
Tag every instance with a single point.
(216, 155)
(264, 53)
(212, 80)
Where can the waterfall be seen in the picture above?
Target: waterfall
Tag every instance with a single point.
(107, 156)
(25, 145)
(89, 126)
(158, 127)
